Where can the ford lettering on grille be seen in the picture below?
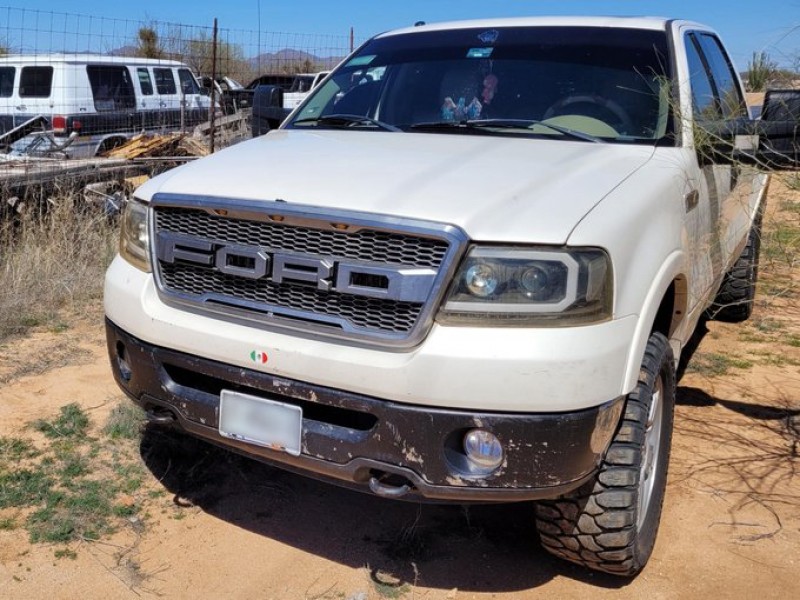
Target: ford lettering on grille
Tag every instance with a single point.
(369, 278)
(339, 276)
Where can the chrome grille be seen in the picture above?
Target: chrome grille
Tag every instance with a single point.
(301, 305)
(362, 245)
(370, 313)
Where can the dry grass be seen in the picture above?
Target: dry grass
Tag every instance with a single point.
(51, 261)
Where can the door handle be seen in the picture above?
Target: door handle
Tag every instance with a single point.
(692, 200)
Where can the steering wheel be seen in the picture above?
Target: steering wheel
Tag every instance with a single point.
(570, 105)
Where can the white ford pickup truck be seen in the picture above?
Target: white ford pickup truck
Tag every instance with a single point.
(463, 270)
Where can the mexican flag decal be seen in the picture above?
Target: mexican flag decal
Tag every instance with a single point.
(260, 358)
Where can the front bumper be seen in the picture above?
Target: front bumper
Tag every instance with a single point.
(499, 369)
(355, 439)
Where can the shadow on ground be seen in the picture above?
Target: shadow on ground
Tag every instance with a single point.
(481, 548)
(779, 417)
(744, 449)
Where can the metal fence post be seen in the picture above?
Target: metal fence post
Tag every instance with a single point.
(213, 87)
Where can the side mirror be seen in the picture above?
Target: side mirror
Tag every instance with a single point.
(779, 129)
(268, 95)
(771, 143)
(779, 144)
(268, 111)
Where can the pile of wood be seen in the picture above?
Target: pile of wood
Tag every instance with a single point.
(162, 146)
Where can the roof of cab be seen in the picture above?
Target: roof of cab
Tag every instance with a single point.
(652, 23)
(85, 58)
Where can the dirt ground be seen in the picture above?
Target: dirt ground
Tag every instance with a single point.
(232, 528)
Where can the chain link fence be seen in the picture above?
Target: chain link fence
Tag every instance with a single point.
(74, 87)
(241, 54)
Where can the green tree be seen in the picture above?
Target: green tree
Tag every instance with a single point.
(198, 53)
(760, 71)
(300, 66)
(148, 45)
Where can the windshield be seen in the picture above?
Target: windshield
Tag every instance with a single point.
(608, 84)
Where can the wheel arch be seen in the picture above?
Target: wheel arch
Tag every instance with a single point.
(664, 310)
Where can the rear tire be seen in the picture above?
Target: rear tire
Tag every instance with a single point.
(734, 300)
(610, 524)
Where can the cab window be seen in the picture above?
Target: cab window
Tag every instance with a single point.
(704, 99)
(165, 81)
(36, 82)
(7, 81)
(112, 88)
(715, 87)
(188, 82)
(145, 83)
(731, 102)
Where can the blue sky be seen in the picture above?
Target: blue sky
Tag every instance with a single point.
(771, 25)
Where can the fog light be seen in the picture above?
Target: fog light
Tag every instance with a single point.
(483, 449)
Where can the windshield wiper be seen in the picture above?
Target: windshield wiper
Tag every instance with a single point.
(506, 124)
(346, 121)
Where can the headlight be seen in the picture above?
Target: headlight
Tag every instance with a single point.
(517, 286)
(133, 235)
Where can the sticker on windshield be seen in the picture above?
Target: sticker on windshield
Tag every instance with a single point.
(360, 61)
(489, 37)
(480, 52)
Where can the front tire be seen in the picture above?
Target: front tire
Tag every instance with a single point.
(610, 524)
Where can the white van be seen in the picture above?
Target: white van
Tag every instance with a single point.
(102, 99)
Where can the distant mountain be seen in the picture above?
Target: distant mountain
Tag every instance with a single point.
(124, 51)
(289, 60)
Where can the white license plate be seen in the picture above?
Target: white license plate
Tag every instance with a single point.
(261, 422)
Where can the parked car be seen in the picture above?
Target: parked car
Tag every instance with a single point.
(99, 100)
(231, 95)
(272, 103)
(284, 82)
(464, 270)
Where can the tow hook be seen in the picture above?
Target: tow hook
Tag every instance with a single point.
(161, 416)
(387, 490)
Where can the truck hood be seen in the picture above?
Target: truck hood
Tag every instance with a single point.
(495, 188)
